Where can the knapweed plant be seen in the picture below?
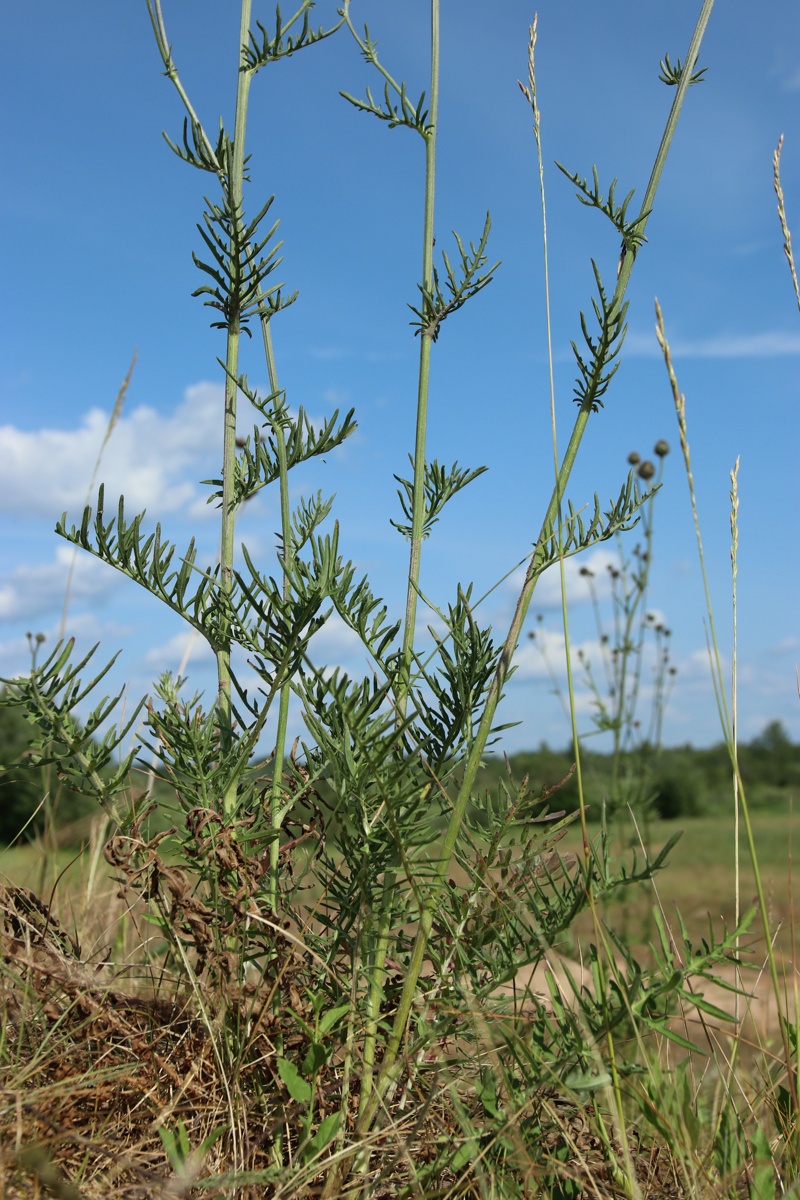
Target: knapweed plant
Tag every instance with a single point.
(628, 677)
(341, 930)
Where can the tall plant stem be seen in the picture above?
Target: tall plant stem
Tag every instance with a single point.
(276, 796)
(377, 960)
(231, 169)
(376, 968)
(236, 168)
(423, 386)
(392, 1066)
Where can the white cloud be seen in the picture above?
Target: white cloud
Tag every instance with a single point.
(541, 657)
(548, 589)
(772, 344)
(336, 645)
(697, 664)
(152, 458)
(544, 657)
(178, 652)
(31, 591)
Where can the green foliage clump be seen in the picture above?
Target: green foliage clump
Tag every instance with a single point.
(678, 792)
(772, 758)
(27, 802)
(670, 782)
(21, 788)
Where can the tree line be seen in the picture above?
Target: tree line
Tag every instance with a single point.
(663, 782)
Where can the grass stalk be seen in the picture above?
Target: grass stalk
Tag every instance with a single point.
(116, 413)
(734, 494)
(529, 92)
(787, 237)
(719, 690)
(624, 1178)
(51, 795)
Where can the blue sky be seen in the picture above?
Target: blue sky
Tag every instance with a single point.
(97, 233)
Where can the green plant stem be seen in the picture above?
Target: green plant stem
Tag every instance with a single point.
(735, 699)
(228, 522)
(376, 969)
(423, 386)
(276, 794)
(391, 1068)
(171, 72)
(579, 428)
(377, 961)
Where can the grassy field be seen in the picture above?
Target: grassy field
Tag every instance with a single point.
(699, 879)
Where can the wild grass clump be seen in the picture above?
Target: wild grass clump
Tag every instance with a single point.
(340, 975)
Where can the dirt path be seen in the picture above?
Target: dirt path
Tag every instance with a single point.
(757, 1008)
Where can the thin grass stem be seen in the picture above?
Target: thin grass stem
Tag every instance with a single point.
(715, 659)
(116, 413)
(734, 494)
(787, 237)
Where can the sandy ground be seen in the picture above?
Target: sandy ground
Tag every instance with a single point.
(757, 1009)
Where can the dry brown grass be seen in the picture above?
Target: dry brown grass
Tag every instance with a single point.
(101, 1049)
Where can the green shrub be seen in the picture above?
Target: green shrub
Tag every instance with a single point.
(20, 785)
(25, 800)
(678, 792)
